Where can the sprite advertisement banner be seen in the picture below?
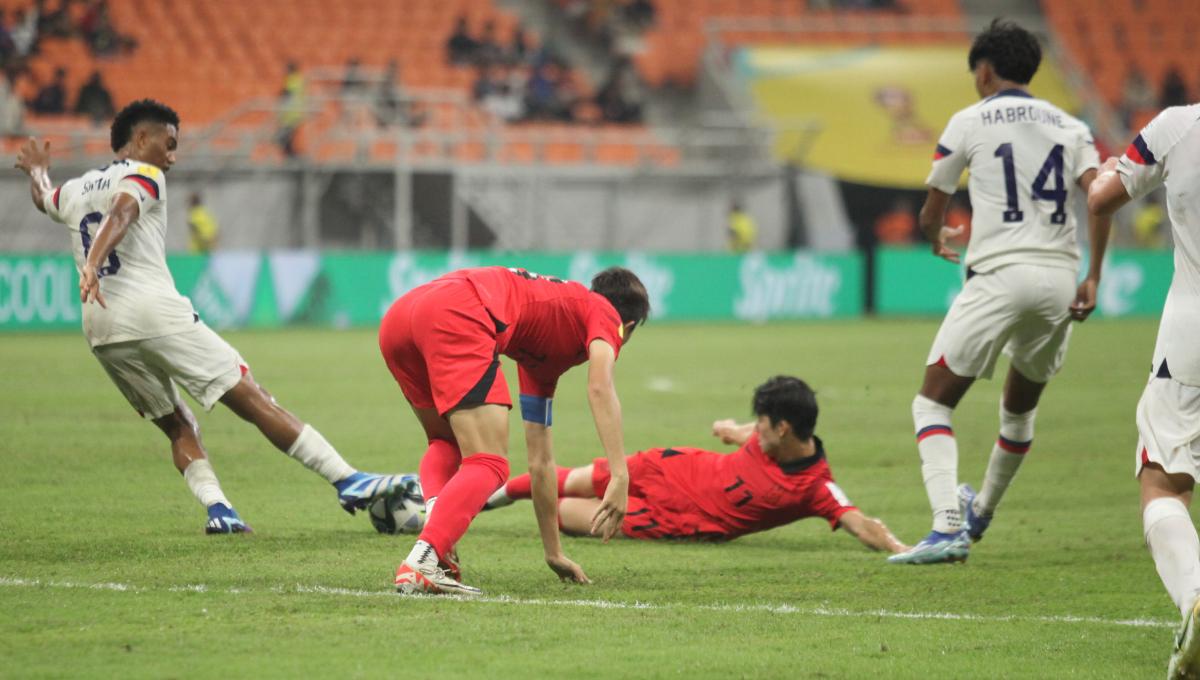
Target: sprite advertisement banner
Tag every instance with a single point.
(342, 289)
(912, 282)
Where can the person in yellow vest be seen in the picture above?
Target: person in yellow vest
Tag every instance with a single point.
(743, 231)
(202, 227)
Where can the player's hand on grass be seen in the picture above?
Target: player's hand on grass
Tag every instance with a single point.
(1085, 300)
(89, 286)
(566, 569)
(607, 520)
(30, 157)
(941, 249)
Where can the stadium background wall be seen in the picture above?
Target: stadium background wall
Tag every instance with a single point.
(265, 289)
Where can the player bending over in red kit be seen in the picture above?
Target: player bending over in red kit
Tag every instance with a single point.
(779, 475)
(442, 342)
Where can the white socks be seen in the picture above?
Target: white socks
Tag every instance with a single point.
(318, 455)
(939, 462)
(422, 555)
(1016, 436)
(203, 482)
(1173, 544)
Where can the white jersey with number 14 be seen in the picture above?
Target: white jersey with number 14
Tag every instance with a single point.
(1025, 156)
(135, 282)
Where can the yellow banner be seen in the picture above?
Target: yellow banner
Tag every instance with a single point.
(878, 110)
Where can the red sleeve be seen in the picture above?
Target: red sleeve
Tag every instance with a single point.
(603, 323)
(534, 384)
(828, 501)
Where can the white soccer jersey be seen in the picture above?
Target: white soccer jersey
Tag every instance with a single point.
(1025, 156)
(1168, 152)
(136, 284)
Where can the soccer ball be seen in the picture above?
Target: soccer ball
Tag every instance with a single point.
(396, 513)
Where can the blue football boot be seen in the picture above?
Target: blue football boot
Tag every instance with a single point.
(358, 490)
(223, 519)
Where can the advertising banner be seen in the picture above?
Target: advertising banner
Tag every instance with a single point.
(342, 289)
(912, 282)
(878, 110)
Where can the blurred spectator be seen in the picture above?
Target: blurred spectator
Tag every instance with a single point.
(485, 83)
(52, 99)
(202, 227)
(103, 37)
(743, 231)
(502, 96)
(56, 22)
(620, 97)
(94, 100)
(353, 80)
(897, 225)
(6, 44)
(639, 13)
(461, 47)
(291, 109)
(1136, 95)
(550, 93)
(487, 49)
(24, 31)
(12, 110)
(518, 49)
(1174, 90)
(391, 104)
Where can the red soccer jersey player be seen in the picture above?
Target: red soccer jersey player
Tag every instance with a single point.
(442, 342)
(779, 475)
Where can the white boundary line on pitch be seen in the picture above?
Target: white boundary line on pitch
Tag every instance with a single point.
(11, 582)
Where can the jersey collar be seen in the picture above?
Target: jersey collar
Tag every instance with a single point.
(795, 467)
(1011, 92)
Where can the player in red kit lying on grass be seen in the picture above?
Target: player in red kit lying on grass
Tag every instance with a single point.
(779, 475)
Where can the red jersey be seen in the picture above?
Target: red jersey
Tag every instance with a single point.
(728, 495)
(544, 323)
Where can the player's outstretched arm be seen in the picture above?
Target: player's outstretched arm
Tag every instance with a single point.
(35, 162)
(933, 224)
(606, 412)
(544, 488)
(1099, 227)
(121, 214)
(871, 532)
(729, 432)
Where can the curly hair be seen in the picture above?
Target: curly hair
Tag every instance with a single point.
(789, 399)
(1011, 50)
(138, 112)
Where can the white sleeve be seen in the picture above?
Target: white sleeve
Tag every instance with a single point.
(56, 202)
(145, 183)
(950, 156)
(1142, 166)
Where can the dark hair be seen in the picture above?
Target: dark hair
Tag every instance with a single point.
(789, 399)
(140, 111)
(625, 291)
(1011, 50)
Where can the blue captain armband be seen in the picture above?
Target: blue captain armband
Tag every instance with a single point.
(536, 409)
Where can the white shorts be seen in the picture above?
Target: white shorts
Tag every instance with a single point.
(1168, 423)
(1020, 309)
(146, 371)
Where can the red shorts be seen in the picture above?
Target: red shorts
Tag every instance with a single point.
(656, 510)
(440, 344)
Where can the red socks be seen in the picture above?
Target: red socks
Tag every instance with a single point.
(521, 486)
(462, 498)
(438, 465)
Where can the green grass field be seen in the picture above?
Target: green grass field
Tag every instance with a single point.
(105, 571)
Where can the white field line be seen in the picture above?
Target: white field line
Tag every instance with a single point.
(13, 582)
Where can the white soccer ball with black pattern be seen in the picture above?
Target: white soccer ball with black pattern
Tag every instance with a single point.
(397, 513)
